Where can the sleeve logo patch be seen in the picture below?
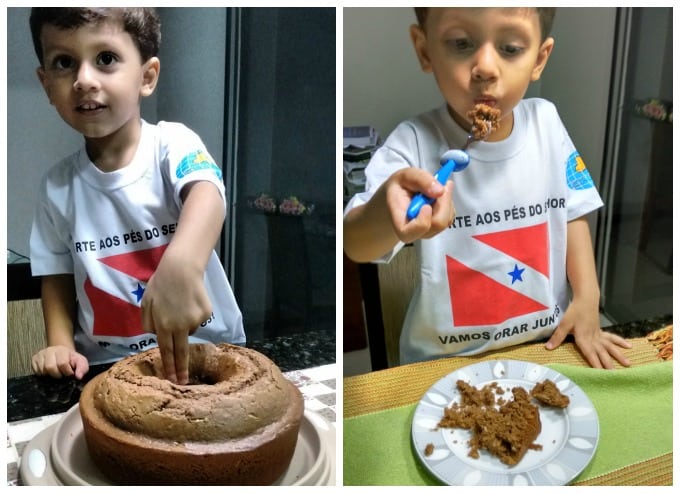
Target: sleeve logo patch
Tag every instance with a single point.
(196, 161)
(578, 177)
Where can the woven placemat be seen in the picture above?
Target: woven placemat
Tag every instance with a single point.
(655, 471)
(386, 389)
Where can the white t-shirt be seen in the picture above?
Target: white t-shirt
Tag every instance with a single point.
(110, 230)
(498, 277)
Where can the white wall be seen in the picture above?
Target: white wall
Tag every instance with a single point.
(382, 80)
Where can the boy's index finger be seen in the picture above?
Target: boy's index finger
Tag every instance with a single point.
(166, 347)
(181, 357)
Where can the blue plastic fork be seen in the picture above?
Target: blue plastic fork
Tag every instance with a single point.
(453, 160)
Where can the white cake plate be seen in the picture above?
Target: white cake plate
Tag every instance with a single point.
(58, 455)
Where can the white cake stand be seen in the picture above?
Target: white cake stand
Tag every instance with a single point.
(58, 455)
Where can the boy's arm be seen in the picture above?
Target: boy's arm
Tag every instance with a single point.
(368, 232)
(58, 298)
(59, 307)
(372, 229)
(581, 270)
(176, 301)
(582, 316)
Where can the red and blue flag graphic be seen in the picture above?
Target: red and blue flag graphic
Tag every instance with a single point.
(114, 314)
(514, 283)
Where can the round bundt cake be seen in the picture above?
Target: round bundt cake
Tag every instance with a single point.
(235, 423)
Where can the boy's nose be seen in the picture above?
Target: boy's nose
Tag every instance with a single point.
(85, 79)
(485, 65)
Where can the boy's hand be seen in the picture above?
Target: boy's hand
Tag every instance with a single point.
(175, 303)
(597, 346)
(399, 190)
(59, 361)
(372, 229)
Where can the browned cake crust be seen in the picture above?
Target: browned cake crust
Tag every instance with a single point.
(507, 429)
(237, 424)
(547, 393)
(485, 120)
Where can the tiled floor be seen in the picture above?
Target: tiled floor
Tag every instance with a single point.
(359, 361)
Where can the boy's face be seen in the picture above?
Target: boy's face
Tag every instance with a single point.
(94, 77)
(482, 55)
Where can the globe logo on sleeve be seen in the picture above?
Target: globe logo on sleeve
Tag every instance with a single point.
(197, 161)
(578, 177)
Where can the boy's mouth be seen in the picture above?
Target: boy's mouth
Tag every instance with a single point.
(485, 101)
(89, 106)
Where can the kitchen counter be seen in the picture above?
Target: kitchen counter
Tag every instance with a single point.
(637, 329)
(34, 396)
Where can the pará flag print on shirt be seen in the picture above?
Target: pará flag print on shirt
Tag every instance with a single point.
(513, 283)
(116, 311)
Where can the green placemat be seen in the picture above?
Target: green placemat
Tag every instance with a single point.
(634, 406)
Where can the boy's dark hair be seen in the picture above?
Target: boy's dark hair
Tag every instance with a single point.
(545, 18)
(142, 24)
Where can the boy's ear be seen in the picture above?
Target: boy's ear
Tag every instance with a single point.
(150, 72)
(542, 58)
(42, 77)
(420, 44)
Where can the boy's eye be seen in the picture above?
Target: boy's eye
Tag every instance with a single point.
(511, 50)
(62, 62)
(461, 44)
(106, 58)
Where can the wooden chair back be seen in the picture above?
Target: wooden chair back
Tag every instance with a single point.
(397, 281)
(25, 335)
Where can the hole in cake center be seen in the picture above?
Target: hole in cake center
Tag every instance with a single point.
(203, 369)
(196, 379)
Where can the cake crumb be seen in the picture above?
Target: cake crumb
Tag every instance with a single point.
(507, 430)
(547, 393)
(485, 119)
(429, 449)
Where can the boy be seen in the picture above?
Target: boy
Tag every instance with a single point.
(124, 231)
(499, 275)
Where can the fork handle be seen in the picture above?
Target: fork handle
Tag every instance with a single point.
(419, 200)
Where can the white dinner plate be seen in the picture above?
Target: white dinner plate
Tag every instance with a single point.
(58, 455)
(569, 436)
